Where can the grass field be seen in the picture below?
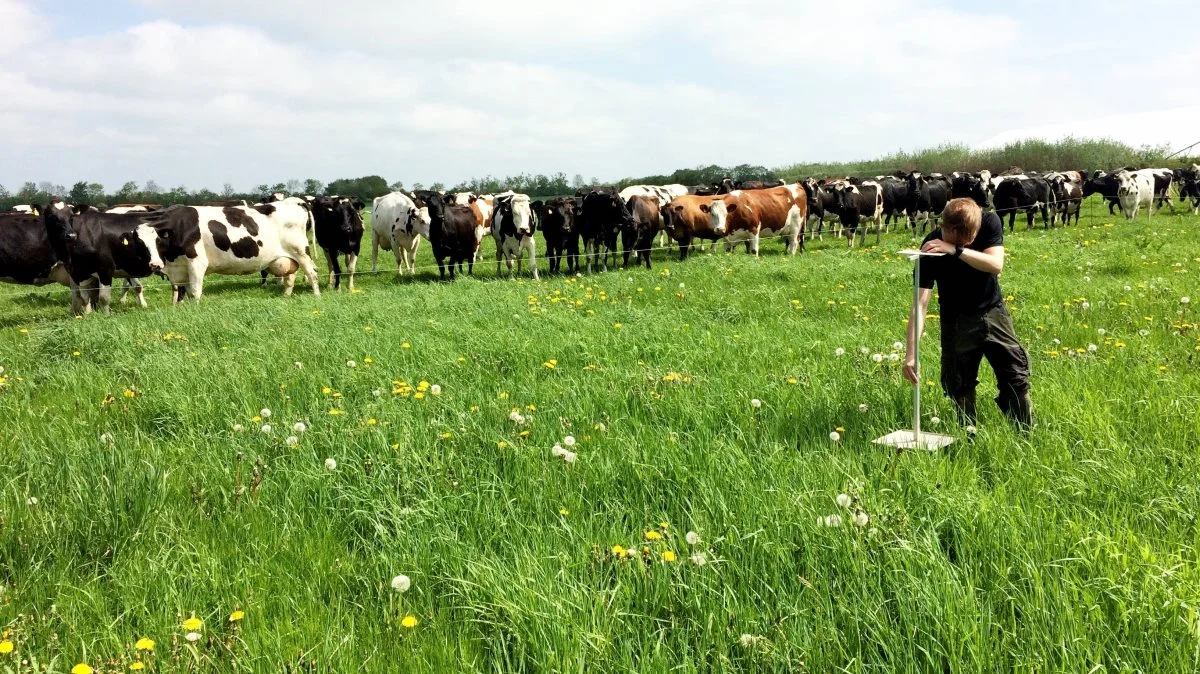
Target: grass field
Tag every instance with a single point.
(129, 503)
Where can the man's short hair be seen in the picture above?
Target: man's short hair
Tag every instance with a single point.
(962, 219)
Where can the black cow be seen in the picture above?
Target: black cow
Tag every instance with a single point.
(1104, 184)
(895, 198)
(1189, 187)
(26, 256)
(703, 190)
(603, 215)
(822, 205)
(97, 247)
(927, 198)
(339, 230)
(757, 184)
(558, 228)
(1023, 194)
(1067, 198)
(969, 186)
(451, 234)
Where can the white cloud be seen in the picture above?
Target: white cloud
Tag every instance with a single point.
(18, 27)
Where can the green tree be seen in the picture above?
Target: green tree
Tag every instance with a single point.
(127, 193)
(79, 193)
(152, 188)
(262, 190)
(312, 186)
(397, 186)
(227, 191)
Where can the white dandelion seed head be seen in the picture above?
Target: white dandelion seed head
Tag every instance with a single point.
(435, 390)
(351, 363)
(893, 357)
(569, 457)
(877, 357)
(516, 417)
(1091, 348)
(331, 464)
(106, 438)
(864, 350)
(1078, 268)
(897, 346)
(1101, 331)
(569, 441)
(401, 583)
(756, 403)
(299, 427)
(601, 427)
(299, 365)
(1143, 332)
(1087, 279)
(748, 640)
(861, 519)
(835, 436)
(265, 413)
(266, 428)
(934, 421)
(971, 430)
(839, 351)
(292, 441)
(192, 636)
(843, 500)
(1055, 340)
(833, 520)
(681, 286)
(377, 392)
(31, 501)
(699, 559)
(1128, 288)
(1185, 299)
(820, 520)
(1086, 305)
(691, 537)
(238, 428)
(862, 407)
(557, 450)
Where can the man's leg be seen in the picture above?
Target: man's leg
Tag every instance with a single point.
(1011, 363)
(962, 351)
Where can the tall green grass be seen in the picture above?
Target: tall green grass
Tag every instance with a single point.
(1070, 550)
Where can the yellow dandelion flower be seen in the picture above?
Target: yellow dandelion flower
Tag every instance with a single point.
(371, 421)
(137, 666)
(618, 551)
(335, 412)
(548, 365)
(474, 408)
(616, 326)
(368, 361)
(337, 394)
(422, 385)
(664, 526)
(446, 436)
(129, 393)
(77, 354)
(419, 395)
(409, 621)
(504, 395)
(531, 407)
(839, 429)
(564, 512)
(653, 536)
(524, 434)
(668, 556)
(24, 331)
(792, 381)
(236, 616)
(256, 418)
(144, 644)
(502, 444)
(81, 668)
(6, 647)
(326, 390)
(406, 345)
(193, 624)
(108, 399)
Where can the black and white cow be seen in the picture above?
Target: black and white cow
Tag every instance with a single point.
(927, 198)
(25, 209)
(822, 206)
(1023, 193)
(199, 240)
(338, 224)
(969, 186)
(1104, 184)
(603, 215)
(1067, 198)
(557, 222)
(856, 204)
(26, 256)
(98, 247)
(1189, 187)
(895, 198)
(513, 225)
(398, 225)
(451, 235)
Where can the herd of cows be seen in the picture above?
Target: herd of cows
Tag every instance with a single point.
(86, 249)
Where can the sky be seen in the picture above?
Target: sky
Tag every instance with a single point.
(203, 92)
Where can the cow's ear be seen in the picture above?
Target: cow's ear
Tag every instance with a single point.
(731, 207)
(77, 209)
(705, 208)
(359, 204)
(125, 239)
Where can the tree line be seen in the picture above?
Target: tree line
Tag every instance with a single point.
(1069, 153)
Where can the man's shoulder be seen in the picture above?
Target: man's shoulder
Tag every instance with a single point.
(935, 234)
(991, 230)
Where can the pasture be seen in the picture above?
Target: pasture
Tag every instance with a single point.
(130, 503)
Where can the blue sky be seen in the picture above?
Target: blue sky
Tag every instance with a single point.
(203, 92)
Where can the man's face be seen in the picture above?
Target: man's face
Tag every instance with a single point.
(954, 239)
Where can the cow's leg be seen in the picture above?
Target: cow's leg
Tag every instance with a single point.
(755, 240)
(195, 281)
(335, 270)
(263, 275)
(533, 258)
(374, 252)
(310, 273)
(138, 290)
(351, 265)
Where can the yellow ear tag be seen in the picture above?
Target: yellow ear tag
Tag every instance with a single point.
(124, 242)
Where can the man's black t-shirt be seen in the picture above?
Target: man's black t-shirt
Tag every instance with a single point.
(962, 289)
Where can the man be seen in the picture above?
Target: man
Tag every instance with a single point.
(975, 322)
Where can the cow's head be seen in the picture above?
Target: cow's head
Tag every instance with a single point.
(137, 251)
(914, 181)
(514, 215)
(417, 221)
(718, 213)
(344, 211)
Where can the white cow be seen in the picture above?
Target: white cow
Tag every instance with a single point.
(197, 240)
(398, 225)
(1135, 188)
(26, 209)
(512, 228)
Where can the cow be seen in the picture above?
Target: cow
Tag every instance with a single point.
(685, 221)
(646, 212)
(398, 225)
(821, 206)
(662, 193)
(482, 207)
(420, 197)
(1104, 184)
(927, 198)
(25, 209)
(26, 256)
(969, 186)
(452, 234)
(855, 204)
(1023, 193)
(338, 224)
(1067, 198)
(703, 190)
(198, 240)
(513, 225)
(895, 198)
(744, 215)
(1163, 179)
(133, 208)
(603, 215)
(1135, 188)
(97, 247)
(556, 219)
(1189, 187)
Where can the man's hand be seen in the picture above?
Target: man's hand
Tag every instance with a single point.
(938, 246)
(910, 369)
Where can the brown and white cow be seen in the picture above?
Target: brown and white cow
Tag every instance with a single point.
(685, 220)
(745, 215)
(483, 206)
(235, 240)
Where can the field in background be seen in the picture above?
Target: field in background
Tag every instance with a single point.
(129, 502)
